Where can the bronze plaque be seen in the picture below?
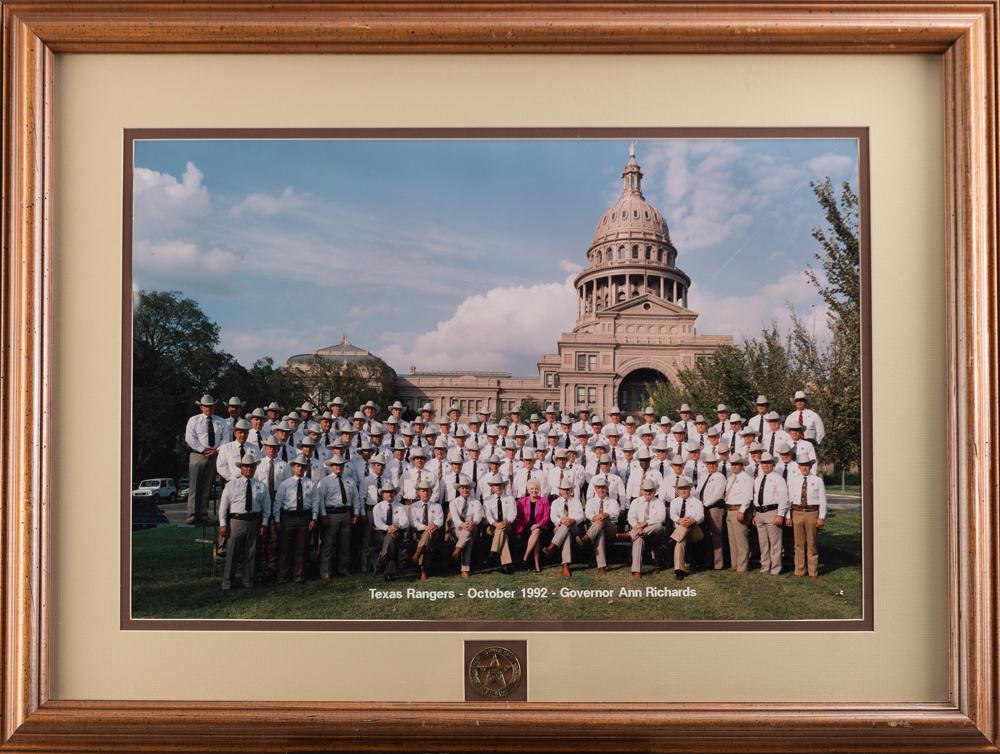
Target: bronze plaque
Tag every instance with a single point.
(496, 670)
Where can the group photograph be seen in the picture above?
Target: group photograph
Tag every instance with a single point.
(596, 380)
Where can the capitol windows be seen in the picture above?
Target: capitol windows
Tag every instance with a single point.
(586, 362)
(649, 253)
(551, 379)
(591, 395)
(635, 251)
(608, 255)
(581, 394)
(621, 253)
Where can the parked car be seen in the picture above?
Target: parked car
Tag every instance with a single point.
(183, 488)
(162, 489)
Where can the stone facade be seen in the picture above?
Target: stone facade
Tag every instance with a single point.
(633, 326)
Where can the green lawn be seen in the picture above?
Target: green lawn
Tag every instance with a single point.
(167, 583)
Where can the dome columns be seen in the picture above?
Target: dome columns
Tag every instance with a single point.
(600, 291)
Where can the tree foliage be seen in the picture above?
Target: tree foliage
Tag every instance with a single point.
(356, 382)
(777, 365)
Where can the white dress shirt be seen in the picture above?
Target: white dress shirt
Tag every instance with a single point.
(233, 500)
(508, 508)
(228, 459)
(558, 510)
(196, 432)
(330, 496)
(775, 493)
(422, 515)
(691, 507)
(643, 511)
(815, 492)
(809, 420)
(286, 498)
(711, 490)
(607, 505)
(463, 511)
(382, 518)
(739, 490)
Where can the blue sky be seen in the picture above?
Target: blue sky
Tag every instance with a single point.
(460, 253)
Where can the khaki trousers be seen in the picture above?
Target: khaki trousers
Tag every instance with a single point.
(426, 542)
(600, 534)
(562, 537)
(739, 544)
(714, 518)
(294, 529)
(501, 544)
(201, 473)
(804, 526)
(335, 534)
(681, 536)
(241, 550)
(651, 533)
(769, 538)
(463, 541)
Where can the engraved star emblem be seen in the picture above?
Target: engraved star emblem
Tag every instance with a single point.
(494, 671)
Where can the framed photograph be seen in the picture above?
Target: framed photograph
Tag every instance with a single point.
(379, 400)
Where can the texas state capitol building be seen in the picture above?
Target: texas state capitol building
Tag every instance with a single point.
(633, 327)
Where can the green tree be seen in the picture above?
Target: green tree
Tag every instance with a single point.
(175, 358)
(356, 382)
(531, 405)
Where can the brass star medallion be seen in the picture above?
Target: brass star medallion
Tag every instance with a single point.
(495, 672)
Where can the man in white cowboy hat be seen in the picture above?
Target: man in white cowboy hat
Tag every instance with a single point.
(758, 422)
(807, 496)
(466, 515)
(476, 430)
(516, 425)
(390, 522)
(204, 434)
(602, 512)
(805, 417)
(712, 493)
(559, 473)
(484, 419)
(274, 412)
(396, 412)
(536, 438)
(376, 436)
(640, 472)
(306, 411)
(800, 446)
(732, 435)
(317, 469)
(230, 453)
(582, 420)
(614, 421)
(337, 418)
(296, 511)
(256, 435)
(244, 514)
(700, 431)
(722, 413)
(581, 444)
(566, 514)
(769, 508)
(618, 464)
(527, 472)
(678, 436)
(673, 473)
(687, 418)
(694, 468)
(234, 407)
(427, 521)
(739, 496)
(773, 434)
(474, 468)
(417, 474)
(272, 471)
(370, 488)
(500, 512)
(687, 514)
(396, 464)
(646, 514)
(368, 411)
(339, 508)
(550, 422)
(452, 474)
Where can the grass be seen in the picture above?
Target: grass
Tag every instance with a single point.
(167, 583)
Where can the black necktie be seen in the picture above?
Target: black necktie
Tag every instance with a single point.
(211, 432)
(343, 491)
(366, 468)
(242, 451)
(298, 497)
(661, 468)
(475, 475)
(760, 492)
(498, 507)
(388, 515)
(284, 452)
(270, 478)
(684, 507)
(248, 502)
(456, 481)
(378, 485)
(427, 507)
(260, 442)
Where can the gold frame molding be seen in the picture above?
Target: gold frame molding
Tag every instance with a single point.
(964, 33)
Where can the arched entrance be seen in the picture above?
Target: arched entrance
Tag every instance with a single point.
(633, 392)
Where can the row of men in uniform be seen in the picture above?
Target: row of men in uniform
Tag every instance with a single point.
(420, 512)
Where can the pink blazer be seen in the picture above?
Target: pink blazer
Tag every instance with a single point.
(524, 509)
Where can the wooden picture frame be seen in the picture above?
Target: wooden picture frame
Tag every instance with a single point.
(965, 34)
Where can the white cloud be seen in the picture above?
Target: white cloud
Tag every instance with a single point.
(745, 314)
(183, 264)
(569, 267)
(163, 203)
(268, 206)
(833, 165)
(506, 328)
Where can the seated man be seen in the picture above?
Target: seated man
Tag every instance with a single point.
(427, 521)
(566, 514)
(602, 512)
(390, 524)
(687, 513)
(500, 512)
(465, 513)
(646, 515)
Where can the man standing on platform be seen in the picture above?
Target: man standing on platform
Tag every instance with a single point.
(205, 433)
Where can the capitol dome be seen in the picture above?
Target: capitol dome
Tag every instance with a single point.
(631, 254)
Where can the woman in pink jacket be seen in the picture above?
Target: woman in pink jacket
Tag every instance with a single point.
(531, 522)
